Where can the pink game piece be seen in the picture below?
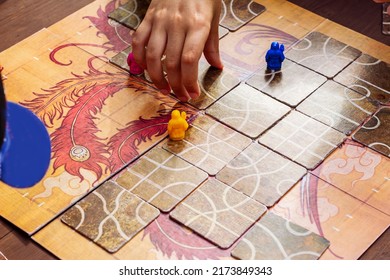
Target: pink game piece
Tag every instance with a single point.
(135, 69)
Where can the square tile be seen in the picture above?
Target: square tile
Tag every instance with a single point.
(161, 178)
(235, 14)
(360, 172)
(368, 76)
(376, 132)
(302, 139)
(385, 19)
(222, 31)
(247, 110)
(218, 213)
(110, 216)
(322, 54)
(275, 238)
(120, 59)
(261, 174)
(131, 14)
(338, 107)
(214, 83)
(208, 145)
(290, 85)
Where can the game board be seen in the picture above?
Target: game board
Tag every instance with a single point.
(269, 164)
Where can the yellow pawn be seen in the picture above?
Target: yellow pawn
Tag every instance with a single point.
(177, 125)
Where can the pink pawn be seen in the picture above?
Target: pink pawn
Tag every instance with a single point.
(135, 69)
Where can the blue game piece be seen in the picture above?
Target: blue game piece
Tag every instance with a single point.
(25, 148)
(274, 56)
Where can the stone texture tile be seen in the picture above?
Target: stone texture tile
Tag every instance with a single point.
(235, 14)
(261, 174)
(368, 76)
(110, 216)
(208, 145)
(292, 84)
(131, 14)
(218, 212)
(302, 139)
(376, 132)
(120, 59)
(275, 238)
(247, 110)
(338, 107)
(322, 54)
(161, 178)
(360, 172)
(214, 83)
(222, 31)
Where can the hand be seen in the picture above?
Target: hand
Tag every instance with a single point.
(383, 1)
(181, 30)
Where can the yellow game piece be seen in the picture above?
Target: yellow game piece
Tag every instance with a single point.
(177, 125)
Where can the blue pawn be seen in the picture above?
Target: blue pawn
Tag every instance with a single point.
(275, 56)
(24, 145)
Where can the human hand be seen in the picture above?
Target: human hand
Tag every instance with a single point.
(181, 30)
(383, 1)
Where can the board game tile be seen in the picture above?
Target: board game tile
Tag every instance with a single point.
(213, 83)
(368, 76)
(385, 19)
(247, 110)
(332, 213)
(120, 59)
(222, 31)
(292, 84)
(360, 172)
(218, 212)
(208, 144)
(131, 14)
(235, 14)
(261, 174)
(302, 139)
(110, 216)
(161, 178)
(338, 107)
(275, 238)
(375, 133)
(323, 54)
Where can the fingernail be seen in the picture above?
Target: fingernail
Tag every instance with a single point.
(193, 95)
(183, 99)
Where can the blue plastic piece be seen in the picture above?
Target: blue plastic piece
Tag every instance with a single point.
(274, 56)
(25, 154)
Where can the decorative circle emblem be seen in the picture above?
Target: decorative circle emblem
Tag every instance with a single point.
(79, 153)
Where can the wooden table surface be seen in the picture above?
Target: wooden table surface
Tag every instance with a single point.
(20, 19)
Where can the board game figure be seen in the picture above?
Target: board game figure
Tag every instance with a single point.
(24, 144)
(275, 56)
(134, 68)
(177, 125)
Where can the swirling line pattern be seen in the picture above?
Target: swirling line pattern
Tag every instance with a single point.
(218, 212)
